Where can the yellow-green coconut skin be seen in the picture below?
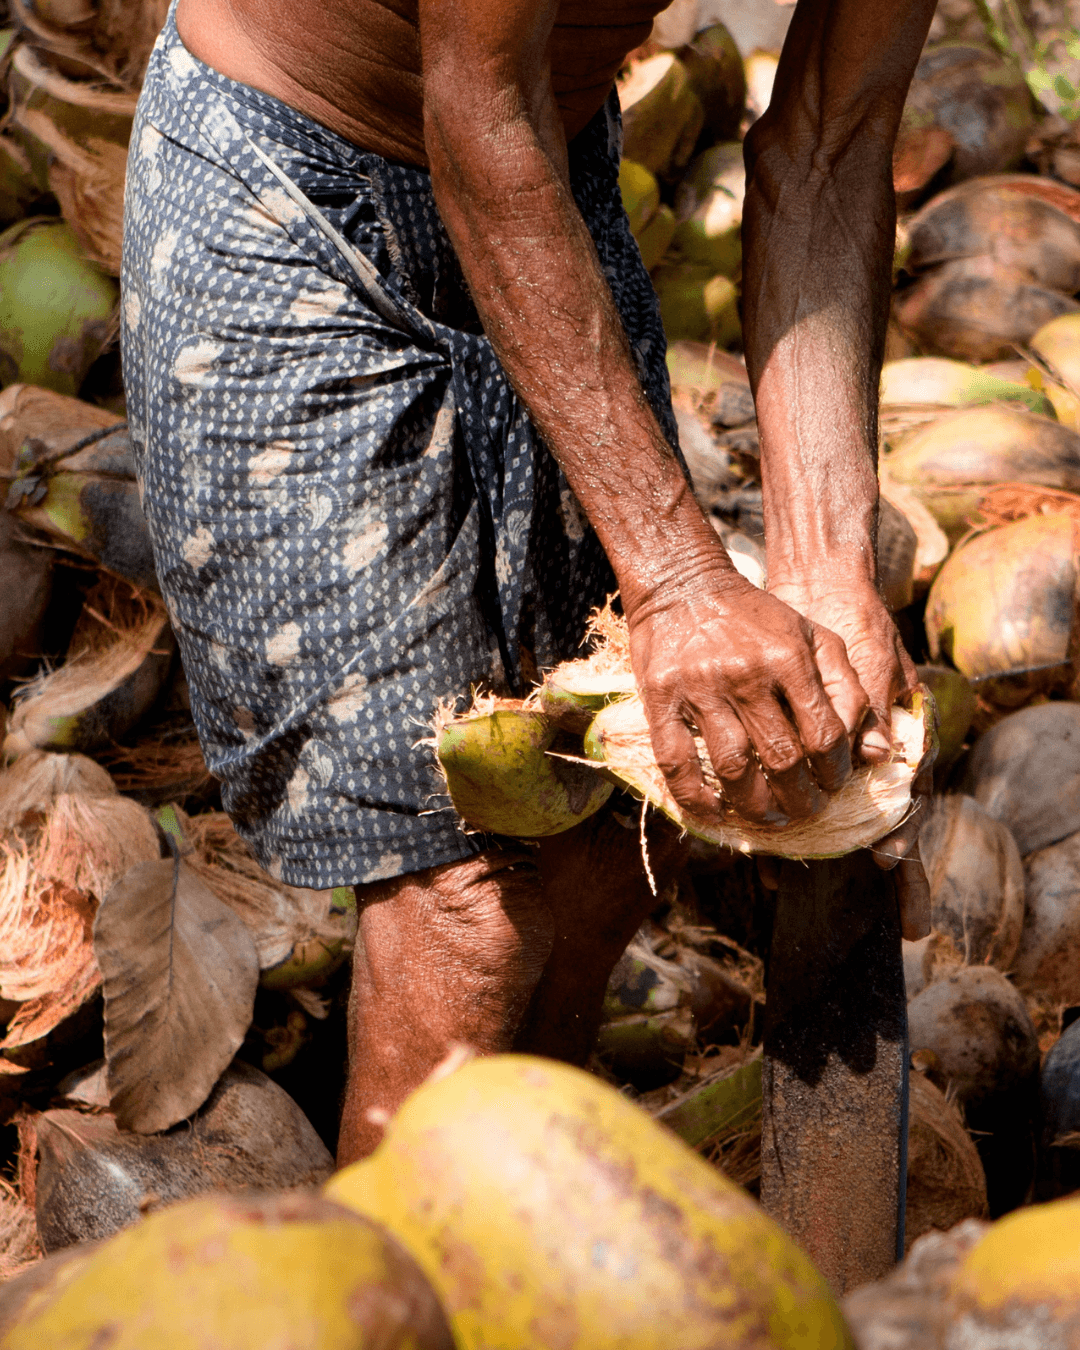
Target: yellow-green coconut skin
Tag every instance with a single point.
(229, 1273)
(548, 1211)
(502, 780)
(54, 306)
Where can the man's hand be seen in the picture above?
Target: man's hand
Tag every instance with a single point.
(771, 693)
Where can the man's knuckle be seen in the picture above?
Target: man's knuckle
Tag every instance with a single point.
(780, 753)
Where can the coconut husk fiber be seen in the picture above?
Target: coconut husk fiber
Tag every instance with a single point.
(107, 38)
(160, 767)
(47, 961)
(117, 661)
(945, 1183)
(19, 1248)
(30, 786)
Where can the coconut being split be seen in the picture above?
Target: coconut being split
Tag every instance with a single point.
(523, 768)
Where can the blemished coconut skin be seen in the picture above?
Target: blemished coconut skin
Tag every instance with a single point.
(937, 379)
(976, 880)
(1059, 1111)
(243, 1272)
(950, 462)
(1026, 772)
(54, 306)
(549, 1211)
(1048, 960)
(502, 779)
(1002, 603)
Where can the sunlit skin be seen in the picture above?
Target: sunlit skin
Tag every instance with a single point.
(787, 687)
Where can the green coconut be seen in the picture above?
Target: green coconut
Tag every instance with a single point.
(950, 463)
(505, 774)
(708, 206)
(548, 1211)
(655, 239)
(661, 114)
(937, 380)
(1002, 604)
(956, 704)
(715, 67)
(640, 194)
(55, 306)
(703, 367)
(241, 1271)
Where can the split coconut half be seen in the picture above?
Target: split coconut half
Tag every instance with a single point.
(507, 763)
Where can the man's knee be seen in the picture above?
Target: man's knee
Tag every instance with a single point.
(476, 923)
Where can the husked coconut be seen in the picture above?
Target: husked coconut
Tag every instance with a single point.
(661, 114)
(976, 880)
(977, 1025)
(1048, 960)
(1026, 772)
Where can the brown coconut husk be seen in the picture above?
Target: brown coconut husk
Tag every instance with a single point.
(30, 786)
(160, 767)
(47, 424)
(122, 636)
(946, 1182)
(46, 948)
(277, 916)
(19, 1246)
(89, 843)
(1006, 502)
(108, 38)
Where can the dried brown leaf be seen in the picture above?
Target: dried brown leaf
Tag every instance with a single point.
(180, 971)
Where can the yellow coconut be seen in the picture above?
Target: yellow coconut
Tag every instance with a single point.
(640, 194)
(1003, 604)
(717, 76)
(549, 1211)
(254, 1271)
(1058, 344)
(708, 206)
(655, 239)
(935, 380)
(950, 462)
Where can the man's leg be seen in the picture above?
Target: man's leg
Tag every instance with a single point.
(451, 954)
(596, 886)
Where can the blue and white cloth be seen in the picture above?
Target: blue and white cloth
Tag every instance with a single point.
(353, 517)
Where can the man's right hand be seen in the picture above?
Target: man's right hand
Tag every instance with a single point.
(772, 695)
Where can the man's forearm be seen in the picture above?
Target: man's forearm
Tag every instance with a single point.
(548, 311)
(819, 225)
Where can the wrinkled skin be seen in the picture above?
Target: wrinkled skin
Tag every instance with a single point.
(786, 688)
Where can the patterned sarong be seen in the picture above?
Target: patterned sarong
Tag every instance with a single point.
(352, 515)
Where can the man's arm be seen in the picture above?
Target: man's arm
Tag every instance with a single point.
(759, 681)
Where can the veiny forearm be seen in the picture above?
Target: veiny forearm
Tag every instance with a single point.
(819, 227)
(498, 172)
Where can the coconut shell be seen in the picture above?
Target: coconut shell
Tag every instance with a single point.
(662, 116)
(239, 1271)
(640, 194)
(708, 207)
(955, 701)
(897, 546)
(503, 780)
(976, 880)
(1025, 771)
(55, 306)
(1059, 1103)
(979, 98)
(655, 239)
(117, 662)
(94, 1179)
(1058, 344)
(976, 310)
(978, 1027)
(1003, 604)
(949, 462)
(717, 76)
(1048, 960)
(1021, 232)
(927, 381)
(945, 1181)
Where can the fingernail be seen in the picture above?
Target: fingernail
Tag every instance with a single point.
(876, 740)
(777, 819)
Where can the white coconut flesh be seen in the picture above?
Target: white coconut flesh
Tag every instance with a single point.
(874, 801)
